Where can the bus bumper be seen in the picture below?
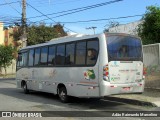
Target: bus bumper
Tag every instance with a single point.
(110, 89)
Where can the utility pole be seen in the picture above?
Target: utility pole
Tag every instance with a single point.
(24, 35)
(93, 28)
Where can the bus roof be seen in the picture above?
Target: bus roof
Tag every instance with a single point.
(74, 38)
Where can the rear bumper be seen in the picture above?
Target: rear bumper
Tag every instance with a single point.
(109, 89)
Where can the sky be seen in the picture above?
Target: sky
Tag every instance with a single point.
(49, 11)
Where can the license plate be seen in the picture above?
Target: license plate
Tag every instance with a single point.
(126, 88)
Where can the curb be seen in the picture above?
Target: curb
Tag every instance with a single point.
(7, 78)
(131, 101)
(152, 88)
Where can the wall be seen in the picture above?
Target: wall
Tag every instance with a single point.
(151, 54)
(130, 28)
(11, 69)
(1, 34)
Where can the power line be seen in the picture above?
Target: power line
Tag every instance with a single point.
(71, 11)
(47, 16)
(12, 7)
(9, 3)
(104, 19)
(39, 4)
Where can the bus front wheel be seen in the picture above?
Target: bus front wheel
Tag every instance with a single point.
(62, 93)
(25, 89)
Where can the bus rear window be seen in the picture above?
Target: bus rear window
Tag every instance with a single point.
(123, 48)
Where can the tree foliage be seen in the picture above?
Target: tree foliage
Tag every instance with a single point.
(6, 56)
(40, 33)
(149, 30)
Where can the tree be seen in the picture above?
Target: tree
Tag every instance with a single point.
(149, 29)
(111, 24)
(40, 33)
(6, 56)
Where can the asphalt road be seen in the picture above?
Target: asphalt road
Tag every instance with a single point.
(13, 99)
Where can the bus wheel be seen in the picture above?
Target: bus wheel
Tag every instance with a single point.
(62, 93)
(26, 91)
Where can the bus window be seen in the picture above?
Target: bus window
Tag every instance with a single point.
(124, 48)
(37, 56)
(31, 57)
(51, 55)
(60, 55)
(25, 58)
(22, 59)
(92, 52)
(70, 53)
(44, 52)
(81, 53)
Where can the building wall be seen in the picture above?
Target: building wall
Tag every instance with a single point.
(130, 28)
(7, 39)
(1, 34)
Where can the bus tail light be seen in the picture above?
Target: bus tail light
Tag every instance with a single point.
(106, 73)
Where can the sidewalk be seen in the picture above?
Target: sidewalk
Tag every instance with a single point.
(150, 97)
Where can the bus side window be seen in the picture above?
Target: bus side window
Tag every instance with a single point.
(31, 57)
(22, 59)
(51, 55)
(70, 54)
(80, 53)
(44, 52)
(36, 56)
(19, 61)
(92, 52)
(60, 55)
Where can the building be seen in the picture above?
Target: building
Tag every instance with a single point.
(130, 28)
(1, 34)
(6, 39)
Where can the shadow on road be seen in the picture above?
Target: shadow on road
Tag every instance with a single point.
(47, 98)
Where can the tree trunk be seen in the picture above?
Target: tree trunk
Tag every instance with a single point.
(5, 71)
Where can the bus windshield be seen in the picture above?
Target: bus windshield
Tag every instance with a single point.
(124, 48)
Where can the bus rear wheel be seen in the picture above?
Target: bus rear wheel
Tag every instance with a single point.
(25, 89)
(62, 93)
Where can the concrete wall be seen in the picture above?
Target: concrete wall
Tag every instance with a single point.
(11, 69)
(130, 28)
(151, 55)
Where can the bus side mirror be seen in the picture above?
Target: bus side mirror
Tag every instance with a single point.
(19, 58)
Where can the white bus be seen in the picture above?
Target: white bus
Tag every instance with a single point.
(90, 66)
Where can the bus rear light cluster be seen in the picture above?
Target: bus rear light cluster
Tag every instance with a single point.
(106, 72)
